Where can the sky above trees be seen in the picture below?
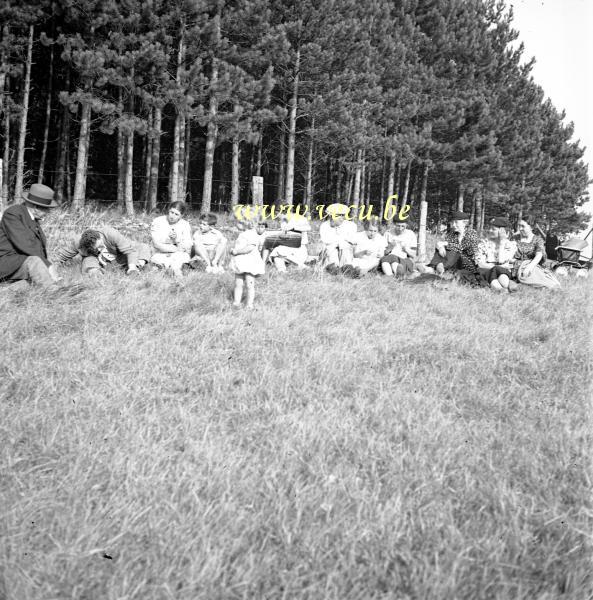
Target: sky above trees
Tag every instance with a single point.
(557, 34)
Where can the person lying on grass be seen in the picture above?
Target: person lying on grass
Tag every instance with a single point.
(209, 245)
(105, 248)
(246, 259)
(171, 238)
(496, 254)
(338, 237)
(368, 249)
(530, 258)
(401, 251)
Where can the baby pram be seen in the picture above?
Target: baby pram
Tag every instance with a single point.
(569, 254)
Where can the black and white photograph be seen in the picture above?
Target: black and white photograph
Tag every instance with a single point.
(296, 300)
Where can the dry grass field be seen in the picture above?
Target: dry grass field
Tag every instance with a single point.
(364, 439)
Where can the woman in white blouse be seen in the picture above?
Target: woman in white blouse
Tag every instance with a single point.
(171, 238)
(496, 256)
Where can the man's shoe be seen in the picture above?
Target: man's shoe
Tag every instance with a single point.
(332, 269)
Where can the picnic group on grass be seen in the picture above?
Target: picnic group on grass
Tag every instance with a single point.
(498, 260)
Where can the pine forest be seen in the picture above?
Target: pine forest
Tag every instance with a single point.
(136, 103)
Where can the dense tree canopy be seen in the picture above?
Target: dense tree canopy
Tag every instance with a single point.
(140, 102)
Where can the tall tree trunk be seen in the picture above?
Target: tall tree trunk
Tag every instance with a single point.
(398, 177)
(368, 185)
(20, 157)
(357, 179)
(235, 191)
(478, 211)
(181, 167)
(439, 204)
(289, 195)
(460, 194)
(121, 158)
(472, 215)
(210, 142)
(362, 197)
(174, 173)
(309, 176)
(6, 159)
(235, 172)
(482, 215)
(413, 190)
(155, 158)
(327, 180)
(6, 153)
(258, 163)
(64, 143)
(129, 188)
(47, 118)
(407, 183)
(82, 158)
(69, 187)
(520, 215)
(282, 166)
(391, 177)
(384, 186)
(3, 68)
(186, 157)
(179, 131)
(423, 216)
(339, 181)
(147, 159)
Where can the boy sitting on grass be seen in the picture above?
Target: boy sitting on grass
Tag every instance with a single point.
(209, 245)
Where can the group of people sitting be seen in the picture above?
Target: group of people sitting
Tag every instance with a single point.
(496, 260)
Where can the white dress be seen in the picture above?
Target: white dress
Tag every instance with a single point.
(160, 232)
(250, 263)
(338, 242)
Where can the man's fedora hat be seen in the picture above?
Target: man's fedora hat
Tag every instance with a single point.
(40, 195)
(499, 222)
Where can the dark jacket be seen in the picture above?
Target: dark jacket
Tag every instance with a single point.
(20, 237)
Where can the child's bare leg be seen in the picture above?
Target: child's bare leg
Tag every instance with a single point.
(250, 283)
(218, 252)
(238, 292)
(280, 264)
(503, 280)
(386, 268)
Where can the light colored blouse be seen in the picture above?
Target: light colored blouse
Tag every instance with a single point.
(160, 233)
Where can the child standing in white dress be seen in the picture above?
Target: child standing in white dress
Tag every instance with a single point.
(246, 261)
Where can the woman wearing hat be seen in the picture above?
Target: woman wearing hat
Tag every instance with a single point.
(23, 246)
(459, 248)
(496, 256)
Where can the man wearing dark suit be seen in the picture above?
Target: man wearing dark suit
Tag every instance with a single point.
(23, 252)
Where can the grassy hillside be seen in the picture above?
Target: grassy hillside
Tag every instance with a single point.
(346, 440)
